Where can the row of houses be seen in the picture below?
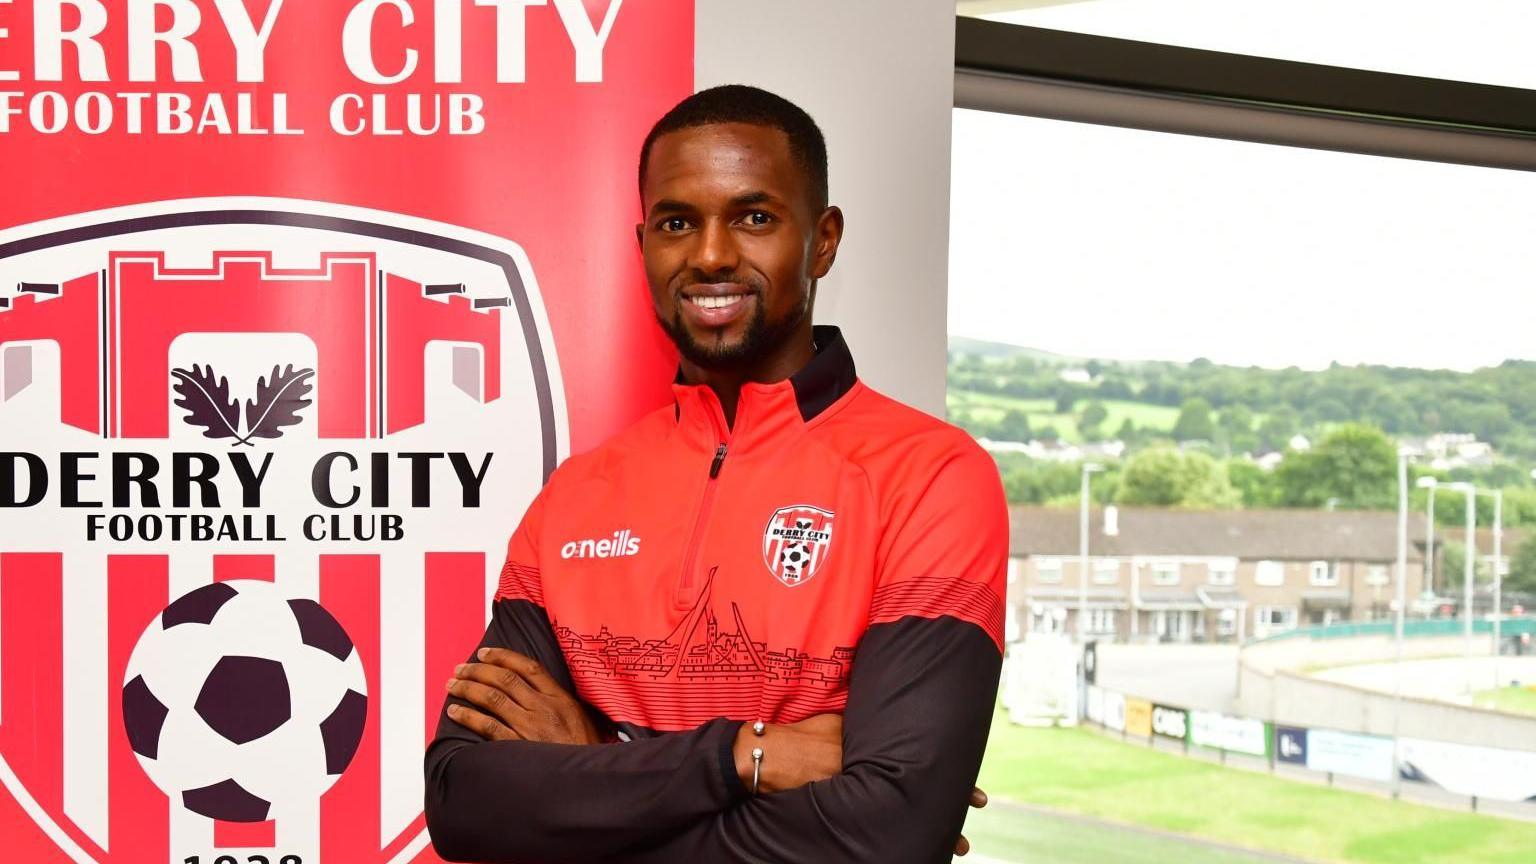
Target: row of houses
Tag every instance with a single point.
(1191, 575)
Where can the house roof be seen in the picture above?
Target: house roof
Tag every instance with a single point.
(1297, 535)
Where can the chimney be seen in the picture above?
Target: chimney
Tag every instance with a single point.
(1111, 520)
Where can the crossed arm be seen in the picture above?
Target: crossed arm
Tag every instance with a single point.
(920, 702)
(919, 705)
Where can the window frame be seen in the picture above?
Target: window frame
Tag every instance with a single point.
(1036, 71)
(1259, 616)
(1160, 567)
(1267, 565)
(1101, 565)
(1055, 564)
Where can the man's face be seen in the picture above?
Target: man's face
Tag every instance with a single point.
(732, 243)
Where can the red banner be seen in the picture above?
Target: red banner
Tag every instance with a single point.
(299, 305)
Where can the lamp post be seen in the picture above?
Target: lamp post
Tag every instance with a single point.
(1498, 609)
(1429, 534)
(1082, 554)
(1467, 572)
(1400, 607)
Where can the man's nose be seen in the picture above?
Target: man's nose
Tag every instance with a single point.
(716, 249)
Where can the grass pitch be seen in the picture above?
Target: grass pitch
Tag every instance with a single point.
(1083, 772)
(1516, 700)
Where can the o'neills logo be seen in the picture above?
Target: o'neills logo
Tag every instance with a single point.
(257, 461)
(621, 545)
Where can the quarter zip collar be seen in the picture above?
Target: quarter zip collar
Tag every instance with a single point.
(768, 411)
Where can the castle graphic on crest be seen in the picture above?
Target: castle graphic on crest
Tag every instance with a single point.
(370, 328)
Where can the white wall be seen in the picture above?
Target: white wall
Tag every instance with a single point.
(878, 77)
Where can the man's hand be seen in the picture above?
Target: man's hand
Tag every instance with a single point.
(515, 698)
(804, 752)
(793, 755)
(978, 800)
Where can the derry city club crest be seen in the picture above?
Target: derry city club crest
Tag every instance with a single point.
(259, 459)
(796, 542)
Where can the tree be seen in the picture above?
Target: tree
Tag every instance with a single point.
(1093, 416)
(1254, 485)
(1064, 402)
(1355, 465)
(1127, 432)
(1014, 426)
(1194, 423)
(1048, 433)
(1277, 430)
(1522, 567)
(1453, 563)
(1164, 477)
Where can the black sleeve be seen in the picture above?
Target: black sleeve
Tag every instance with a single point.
(920, 705)
(527, 801)
(920, 696)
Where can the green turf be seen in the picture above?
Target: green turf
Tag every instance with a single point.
(1517, 700)
(1042, 412)
(1079, 771)
(1010, 834)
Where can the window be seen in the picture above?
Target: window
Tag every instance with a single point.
(1275, 617)
(1226, 622)
(1106, 572)
(1048, 569)
(1101, 621)
(1324, 573)
(1165, 573)
(1376, 574)
(1270, 573)
(1013, 570)
(1221, 572)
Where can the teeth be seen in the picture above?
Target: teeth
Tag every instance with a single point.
(717, 302)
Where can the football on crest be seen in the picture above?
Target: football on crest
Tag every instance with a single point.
(238, 699)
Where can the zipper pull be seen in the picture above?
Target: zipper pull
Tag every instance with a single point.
(714, 467)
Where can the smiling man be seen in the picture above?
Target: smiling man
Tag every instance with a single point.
(765, 622)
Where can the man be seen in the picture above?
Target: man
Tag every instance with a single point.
(781, 544)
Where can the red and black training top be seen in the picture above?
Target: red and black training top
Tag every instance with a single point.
(831, 551)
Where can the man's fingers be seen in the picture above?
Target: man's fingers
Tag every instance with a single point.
(481, 724)
(978, 797)
(963, 846)
(530, 669)
(497, 702)
(500, 678)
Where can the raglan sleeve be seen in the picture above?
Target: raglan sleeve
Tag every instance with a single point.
(526, 801)
(921, 694)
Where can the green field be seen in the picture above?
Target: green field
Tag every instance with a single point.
(1516, 700)
(990, 407)
(1005, 832)
(1083, 772)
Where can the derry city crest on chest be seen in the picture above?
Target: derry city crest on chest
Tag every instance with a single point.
(796, 542)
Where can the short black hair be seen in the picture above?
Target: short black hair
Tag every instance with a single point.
(739, 103)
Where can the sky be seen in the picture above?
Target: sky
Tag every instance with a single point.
(1123, 244)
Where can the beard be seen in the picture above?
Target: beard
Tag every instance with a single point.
(760, 338)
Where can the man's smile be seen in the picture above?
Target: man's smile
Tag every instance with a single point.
(716, 305)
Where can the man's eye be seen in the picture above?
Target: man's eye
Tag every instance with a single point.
(674, 223)
(758, 217)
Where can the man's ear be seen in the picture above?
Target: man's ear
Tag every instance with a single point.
(829, 234)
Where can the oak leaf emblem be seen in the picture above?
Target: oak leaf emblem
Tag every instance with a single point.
(280, 398)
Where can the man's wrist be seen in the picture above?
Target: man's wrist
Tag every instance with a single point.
(749, 738)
